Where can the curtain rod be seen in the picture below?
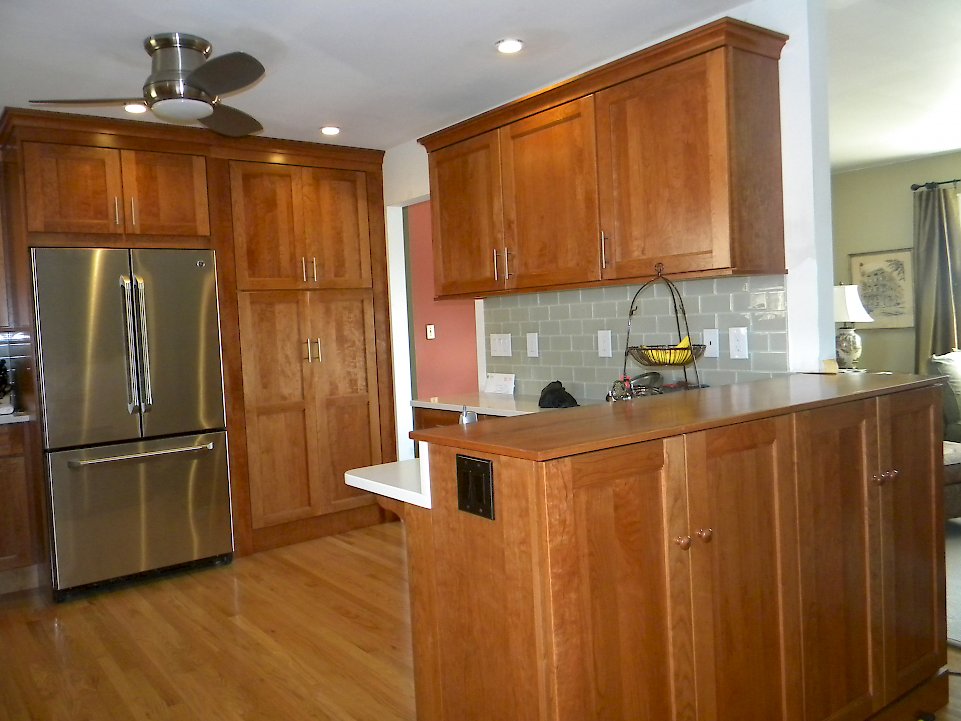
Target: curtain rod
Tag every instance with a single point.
(932, 185)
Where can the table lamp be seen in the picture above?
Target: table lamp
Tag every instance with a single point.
(848, 309)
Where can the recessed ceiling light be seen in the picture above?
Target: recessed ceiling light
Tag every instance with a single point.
(509, 46)
(135, 108)
(330, 130)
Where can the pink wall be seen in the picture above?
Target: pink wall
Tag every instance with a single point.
(447, 364)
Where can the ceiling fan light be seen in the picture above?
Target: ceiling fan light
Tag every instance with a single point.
(135, 108)
(182, 109)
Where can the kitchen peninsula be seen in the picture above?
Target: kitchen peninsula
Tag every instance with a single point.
(771, 550)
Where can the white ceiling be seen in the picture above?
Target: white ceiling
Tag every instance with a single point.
(388, 72)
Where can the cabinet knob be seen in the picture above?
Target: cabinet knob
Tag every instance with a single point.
(705, 534)
(684, 542)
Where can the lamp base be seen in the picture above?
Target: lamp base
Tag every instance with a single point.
(847, 348)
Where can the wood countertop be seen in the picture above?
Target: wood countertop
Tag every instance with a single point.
(546, 436)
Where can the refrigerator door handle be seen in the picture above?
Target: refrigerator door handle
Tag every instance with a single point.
(139, 456)
(144, 345)
(133, 393)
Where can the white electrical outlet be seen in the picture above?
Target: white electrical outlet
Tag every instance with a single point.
(712, 341)
(532, 350)
(738, 338)
(501, 344)
(604, 347)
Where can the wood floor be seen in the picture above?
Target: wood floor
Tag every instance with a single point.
(315, 631)
(319, 630)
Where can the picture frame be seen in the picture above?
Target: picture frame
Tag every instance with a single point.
(885, 280)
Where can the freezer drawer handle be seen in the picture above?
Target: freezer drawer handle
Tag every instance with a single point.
(133, 394)
(138, 456)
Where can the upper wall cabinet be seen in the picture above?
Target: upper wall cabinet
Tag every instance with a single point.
(666, 158)
(81, 189)
(299, 227)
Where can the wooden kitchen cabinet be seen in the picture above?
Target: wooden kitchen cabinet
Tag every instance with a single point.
(872, 581)
(299, 227)
(468, 216)
(83, 189)
(310, 400)
(689, 168)
(16, 538)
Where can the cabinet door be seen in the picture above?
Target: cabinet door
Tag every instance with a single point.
(335, 222)
(912, 535)
(743, 554)
(609, 517)
(840, 558)
(345, 392)
(164, 193)
(268, 222)
(72, 189)
(550, 197)
(16, 545)
(280, 418)
(468, 217)
(663, 170)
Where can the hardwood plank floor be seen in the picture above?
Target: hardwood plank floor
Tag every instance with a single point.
(319, 630)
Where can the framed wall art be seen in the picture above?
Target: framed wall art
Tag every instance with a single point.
(886, 282)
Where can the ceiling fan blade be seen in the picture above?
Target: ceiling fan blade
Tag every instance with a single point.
(230, 122)
(88, 101)
(226, 73)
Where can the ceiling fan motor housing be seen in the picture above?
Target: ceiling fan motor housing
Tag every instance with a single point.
(173, 57)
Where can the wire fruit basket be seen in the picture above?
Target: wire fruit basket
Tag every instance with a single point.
(666, 355)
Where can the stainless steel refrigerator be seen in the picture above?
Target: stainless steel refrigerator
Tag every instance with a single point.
(132, 398)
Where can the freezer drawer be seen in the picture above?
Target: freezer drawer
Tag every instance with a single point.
(132, 507)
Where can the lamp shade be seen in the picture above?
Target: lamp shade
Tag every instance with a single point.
(848, 307)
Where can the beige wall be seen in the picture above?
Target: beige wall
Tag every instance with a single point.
(873, 210)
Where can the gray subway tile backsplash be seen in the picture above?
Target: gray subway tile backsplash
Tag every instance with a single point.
(567, 323)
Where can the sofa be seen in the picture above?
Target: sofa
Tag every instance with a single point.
(949, 365)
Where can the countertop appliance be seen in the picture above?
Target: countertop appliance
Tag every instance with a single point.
(131, 390)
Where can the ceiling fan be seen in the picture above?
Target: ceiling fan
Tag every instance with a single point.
(184, 86)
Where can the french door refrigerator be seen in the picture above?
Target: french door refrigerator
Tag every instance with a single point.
(132, 402)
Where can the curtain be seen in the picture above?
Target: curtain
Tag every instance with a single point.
(937, 275)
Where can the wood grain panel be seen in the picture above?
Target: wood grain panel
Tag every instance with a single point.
(164, 193)
(16, 542)
(550, 197)
(468, 216)
(663, 170)
(840, 562)
(912, 532)
(336, 228)
(744, 571)
(72, 189)
(268, 225)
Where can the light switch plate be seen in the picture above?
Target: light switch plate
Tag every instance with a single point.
(501, 344)
(430, 332)
(738, 338)
(532, 350)
(604, 347)
(712, 340)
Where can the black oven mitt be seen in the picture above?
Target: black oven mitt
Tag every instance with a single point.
(553, 395)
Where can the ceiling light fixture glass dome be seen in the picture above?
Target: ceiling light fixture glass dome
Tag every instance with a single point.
(182, 109)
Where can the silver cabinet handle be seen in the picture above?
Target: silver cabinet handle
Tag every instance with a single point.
(144, 345)
(116, 210)
(309, 358)
(603, 250)
(315, 269)
(303, 265)
(320, 355)
(133, 212)
(139, 456)
(495, 265)
(507, 263)
(133, 393)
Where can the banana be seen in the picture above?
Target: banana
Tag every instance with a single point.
(686, 343)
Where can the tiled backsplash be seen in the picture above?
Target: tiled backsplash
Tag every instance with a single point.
(567, 324)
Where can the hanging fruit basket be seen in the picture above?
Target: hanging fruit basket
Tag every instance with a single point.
(683, 354)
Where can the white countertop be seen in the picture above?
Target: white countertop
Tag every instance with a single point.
(14, 418)
(488, 404)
